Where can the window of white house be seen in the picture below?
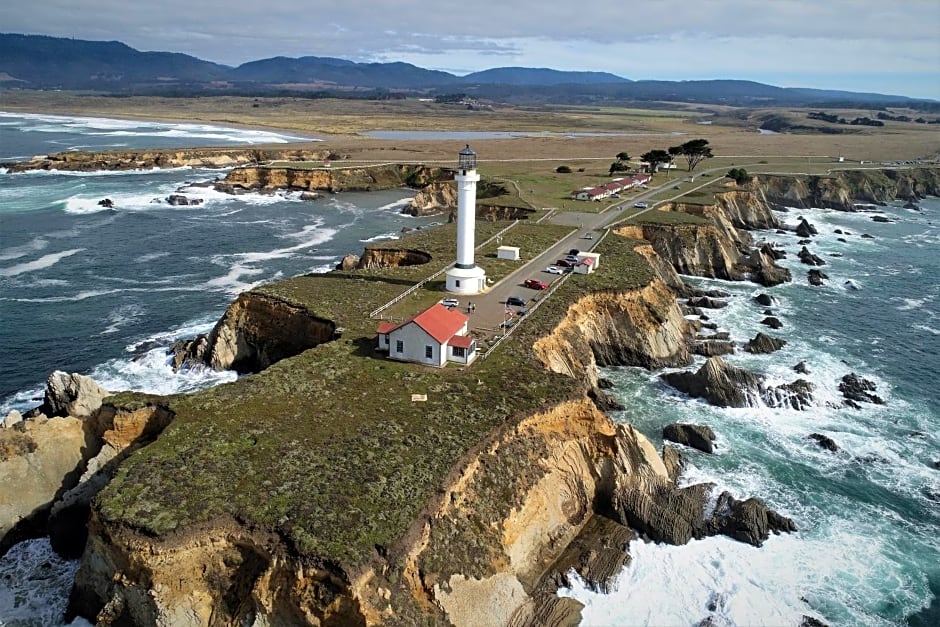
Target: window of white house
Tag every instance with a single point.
(429, 352)
(399, 346)
(459, 351)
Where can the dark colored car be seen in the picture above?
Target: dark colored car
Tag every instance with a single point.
(535, 284)
(574, 251)
(515, 301)
(564, 263)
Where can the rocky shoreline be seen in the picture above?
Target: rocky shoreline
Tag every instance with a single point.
(555, 487)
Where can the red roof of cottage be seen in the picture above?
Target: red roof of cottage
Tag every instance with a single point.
(437, 321)
(461, 341)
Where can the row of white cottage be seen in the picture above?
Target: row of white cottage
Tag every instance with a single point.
(615, 186)
(433, 337)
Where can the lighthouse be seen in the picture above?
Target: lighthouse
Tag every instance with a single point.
(465, 277)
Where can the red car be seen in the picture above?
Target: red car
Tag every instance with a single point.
(564, 263)
(535, 284)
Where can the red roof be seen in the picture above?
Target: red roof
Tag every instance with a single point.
(461, 341)
(437, 321)
(587, 261)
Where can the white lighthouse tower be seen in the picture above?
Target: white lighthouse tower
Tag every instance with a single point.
(465, 277)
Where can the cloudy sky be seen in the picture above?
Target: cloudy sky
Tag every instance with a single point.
(887, 46)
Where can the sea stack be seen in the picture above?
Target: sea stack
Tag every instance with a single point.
(465, 277)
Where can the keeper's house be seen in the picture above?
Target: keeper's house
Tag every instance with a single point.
(433, 337)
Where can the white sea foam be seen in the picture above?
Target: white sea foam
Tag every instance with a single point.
(153, 373)
(379, 238)
(136, 128)
(15, 252)
(42, 263)
(34, 586)
(396, 206)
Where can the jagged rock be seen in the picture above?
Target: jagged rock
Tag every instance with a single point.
(762, 344)
(809, 621)
(764, 299)
(936, 464)
(768, 312)
(182, 201)
(880, 219)
(715, 293)
(605, 401)
(910, 204)
(699, 437)
(859, 390)
(718, 382)
(805, 229)
(764, 270)
(809, 258)
(801, 368)
(544, 608)
(672, 459)
(662, 512)
(850, 285)
(772, 322)
(720, 335)
(825, 442)
(71, 395)
(797, 394)
(310, 196)
(691, 311)
(706, 302)
(773, 252)
(838, 232)
(867, 236)
(749, 521)
(348, 262)
(604, 383)
(11, 419)
(804, 242)
(816, 277)
(598, 554)
(712, 348)
(106, 202)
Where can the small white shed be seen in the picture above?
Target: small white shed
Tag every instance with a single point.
(508, 252)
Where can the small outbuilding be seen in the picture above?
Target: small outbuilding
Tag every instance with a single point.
(508, 252)
(587, 263)
(433, 337)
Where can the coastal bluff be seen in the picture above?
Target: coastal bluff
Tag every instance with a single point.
(316, 491)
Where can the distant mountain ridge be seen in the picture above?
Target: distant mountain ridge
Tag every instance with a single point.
(43, 62)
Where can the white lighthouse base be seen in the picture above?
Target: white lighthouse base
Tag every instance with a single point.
(465, 280)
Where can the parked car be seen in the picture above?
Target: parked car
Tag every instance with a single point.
(640, 205)
(535, 284)
(515, 301)
(574, 251)
(588, 236)
(573, 260)
(450, 302)
(564, 263)
(554, 270)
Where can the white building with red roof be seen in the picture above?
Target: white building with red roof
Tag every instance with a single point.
(433, 337)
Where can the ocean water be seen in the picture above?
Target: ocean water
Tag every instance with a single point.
(867, 551)
(104, 292)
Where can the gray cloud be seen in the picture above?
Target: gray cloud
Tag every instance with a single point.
(846, 35)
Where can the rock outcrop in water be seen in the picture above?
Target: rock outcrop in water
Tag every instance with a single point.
(725, 385)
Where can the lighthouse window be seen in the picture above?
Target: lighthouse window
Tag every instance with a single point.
(456, 282)
(429, 352)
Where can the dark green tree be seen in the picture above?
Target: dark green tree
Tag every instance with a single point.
(655, 158)
(623, 156)
(695, 151)
(618, 166)
(563, 169)
(739, 175)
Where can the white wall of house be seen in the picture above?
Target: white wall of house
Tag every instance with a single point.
(383, 341)
(414, 343)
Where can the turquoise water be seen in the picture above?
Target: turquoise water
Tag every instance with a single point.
(868, 547)
(104, 292)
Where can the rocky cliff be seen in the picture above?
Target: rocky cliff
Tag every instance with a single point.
(256, 331)
(330, 179)
(844, 190)
(148, 159)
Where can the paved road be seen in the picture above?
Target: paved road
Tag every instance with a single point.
(491, 309)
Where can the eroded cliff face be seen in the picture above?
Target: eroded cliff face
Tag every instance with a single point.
(643, 327)
(440, 197)
(332, 179)
(147, 159)
(391, 258)
(256, 331)
(696, 249)
(842, 190)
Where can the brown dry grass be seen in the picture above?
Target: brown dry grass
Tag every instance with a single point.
(733, 132)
